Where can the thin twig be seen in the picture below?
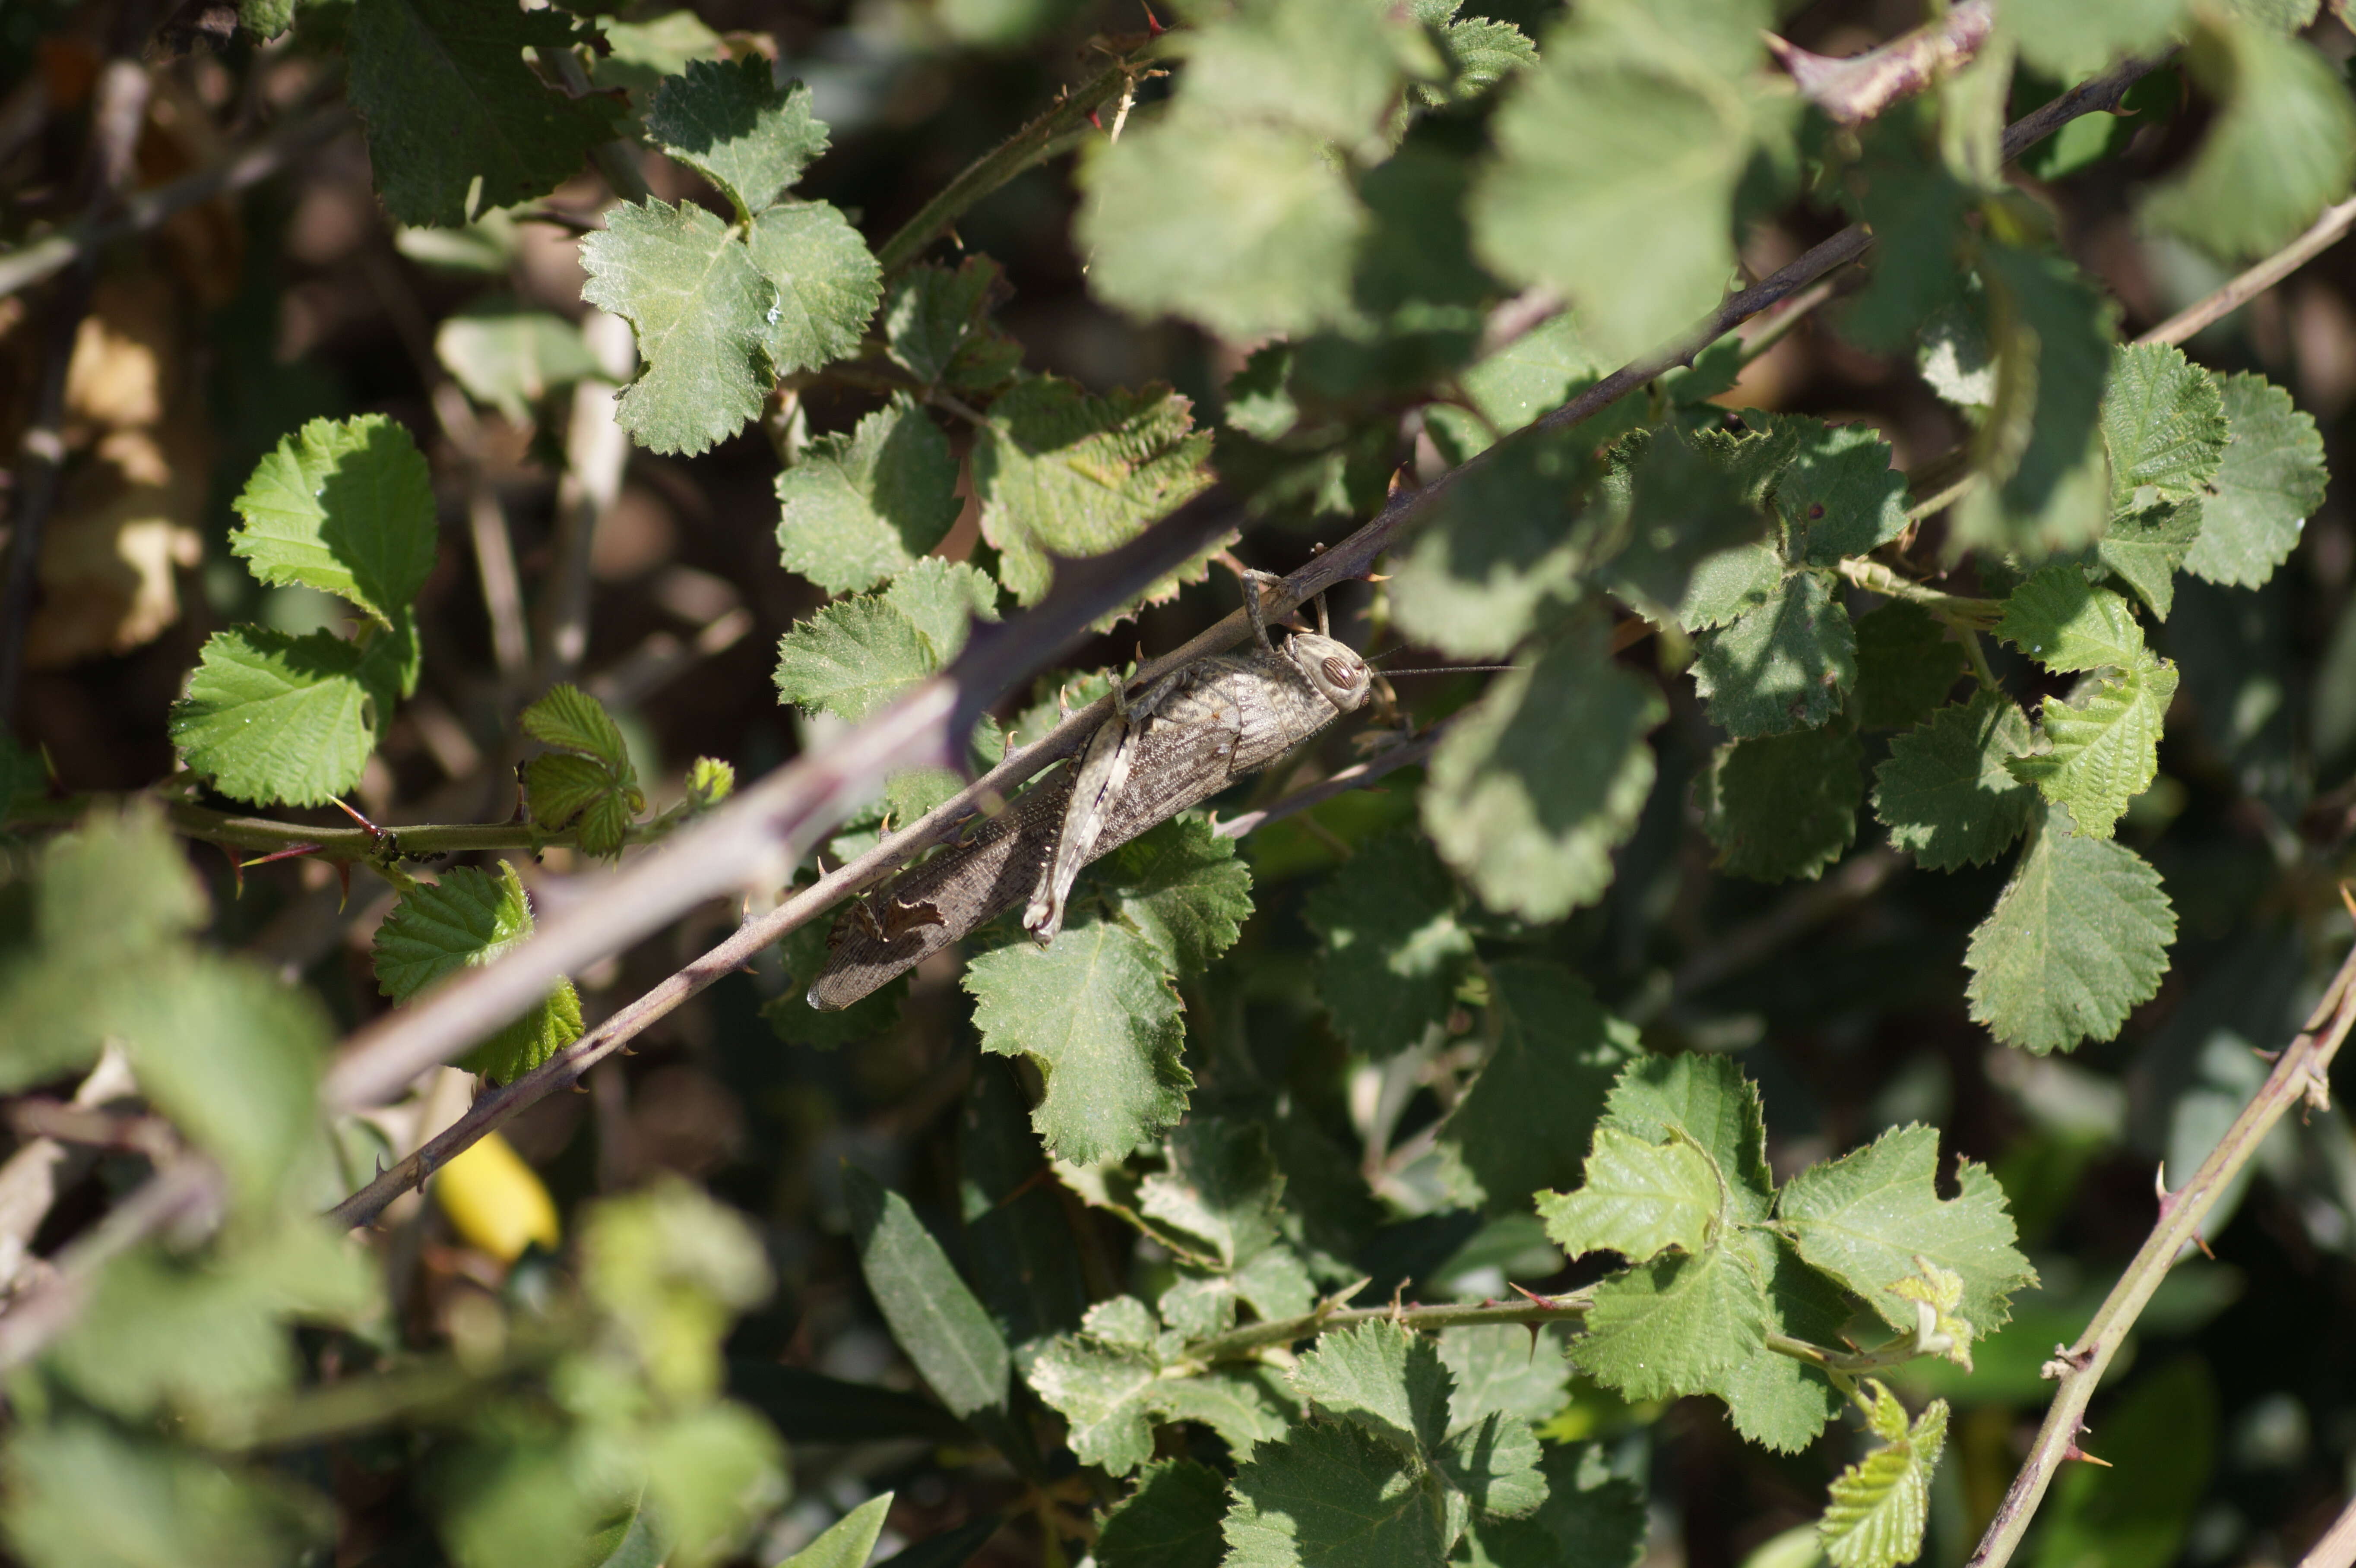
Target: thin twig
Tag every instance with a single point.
(1405, 754)
(2299, 1074)
(2337, 1548)
(1050, 133)
(293, 136)
(188, 1188)
(2322, 236)
(757, 838)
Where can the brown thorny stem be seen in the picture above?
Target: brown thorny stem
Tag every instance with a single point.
(757, 838)
(2300, 1073)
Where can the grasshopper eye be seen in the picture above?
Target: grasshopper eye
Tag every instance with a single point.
(1341, 672)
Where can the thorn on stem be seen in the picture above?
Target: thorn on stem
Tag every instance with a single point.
(1549, 1302)
(2348, 901)
(1154, 28)
(2074, 1452)
(1094, 121)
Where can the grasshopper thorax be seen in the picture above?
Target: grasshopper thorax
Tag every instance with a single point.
(1333, 667)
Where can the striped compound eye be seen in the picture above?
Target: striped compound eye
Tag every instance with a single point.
(1341, 672)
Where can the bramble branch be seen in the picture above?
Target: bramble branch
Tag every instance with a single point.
(2321, 236)
(1035, 143)
(758, 838)
(2300, 1075)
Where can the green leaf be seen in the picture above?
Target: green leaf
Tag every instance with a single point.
(1785, 665)
(2102, 749)
(856, 654)
(1328, 66)
(571, 719)
(1540, 781)
(161, 1335)
(2163, 424)
(1096, 1015)
(1871, 1217)
(1386, 1379)
(458, 125)
(2270, 482)
(1502, 543)
(1945, 791)
(1220, 1186)
(640, 54)
(2281, 147)
(1330, 1496)
(1729, 584)
(469, 919)
(1018, 1242)
(860, 508)
(1481, 53)
(1170, 1520)
(82, 1495)
(2079, 937)
(668, 1268)
(565, 791)
(1669, 1326)
(722, 312)
(590, 786)
(2069, 41)
(849, 1541)
(510, 357)
(1183, 886)
(1940, 1327)
(2067, 624)
(1590, 1518)
(1919, 211)
(1619, 157)
(1784, 806)
(1708, 1099)
(1062, 473)
(347, 509)
(114, 897)
(232, 1056)
(1248, 228)
(271, 717)
(935, 1317)
(730, 122)
(1875, 1515)
(1391, 944)
(1497, 1367)
(934, 316)
(2039, 444)
(1690, 534)
(1840, 497)
(1639, 1199)
(1524, 1122)
(1906, 666)
(1242, 1406)
(712, 1473)
(1775, 1401)
(1494, 1462)
(2144, 549)
(1099, 1390)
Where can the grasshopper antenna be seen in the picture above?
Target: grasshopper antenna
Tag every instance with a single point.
(1455, 669)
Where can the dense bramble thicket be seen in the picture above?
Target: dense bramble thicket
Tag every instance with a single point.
(1949, 589)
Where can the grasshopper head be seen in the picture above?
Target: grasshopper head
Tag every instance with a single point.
(1334, 669)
